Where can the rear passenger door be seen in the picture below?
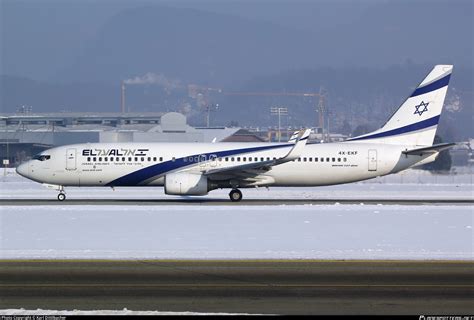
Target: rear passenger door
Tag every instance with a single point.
(372, 160)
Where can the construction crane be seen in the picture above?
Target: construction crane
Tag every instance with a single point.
(320, 108)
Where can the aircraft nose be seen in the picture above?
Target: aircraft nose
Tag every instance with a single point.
(22, 169)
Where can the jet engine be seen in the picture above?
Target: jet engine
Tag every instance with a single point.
(183, 183)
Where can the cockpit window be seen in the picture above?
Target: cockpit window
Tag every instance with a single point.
(42, 157)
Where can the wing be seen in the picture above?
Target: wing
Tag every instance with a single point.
(250, 171)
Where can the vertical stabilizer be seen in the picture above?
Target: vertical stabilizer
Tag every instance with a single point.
(416, 120)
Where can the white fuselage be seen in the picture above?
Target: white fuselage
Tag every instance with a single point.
(147, 164)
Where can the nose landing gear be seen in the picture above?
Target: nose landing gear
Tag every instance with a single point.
(235, 195)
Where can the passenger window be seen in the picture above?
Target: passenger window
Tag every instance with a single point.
(232, 159)
(310, 159)
(338, 159)
(238, 158)
(136, 159)
(161, 158)
(345, 159)
(299, 159)
(333, 159)
(123, 159)
(327, 159)
(316, 159)
(154, 159)
(304, 159)
(100, 159)
(149, 159)
(244, 159)
(226, 158)
(268, 158)
(129, 159)
(322, 159)
(94, 159)
(255, 159)
(88, 159)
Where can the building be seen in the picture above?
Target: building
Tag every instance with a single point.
(23, 135)
(244, 135)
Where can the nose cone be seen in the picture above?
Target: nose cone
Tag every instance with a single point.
(22, 169)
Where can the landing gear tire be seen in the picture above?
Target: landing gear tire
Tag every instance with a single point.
(235, 195)
(61, 197)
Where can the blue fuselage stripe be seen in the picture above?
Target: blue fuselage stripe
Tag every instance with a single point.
(406, 129)
(432, 86)
(160, 169)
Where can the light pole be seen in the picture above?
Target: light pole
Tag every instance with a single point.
(209, 108)
(280, 111)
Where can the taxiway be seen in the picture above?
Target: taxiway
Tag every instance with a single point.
(241, 286)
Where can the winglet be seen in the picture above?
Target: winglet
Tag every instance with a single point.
(294, 136)
(299, 135)
(299, 138)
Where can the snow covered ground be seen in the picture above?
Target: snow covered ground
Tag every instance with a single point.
(243, 232)
(124, 312)
(238, 232)
(410, 184)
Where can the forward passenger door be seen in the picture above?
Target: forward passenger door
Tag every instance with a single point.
(71, 159)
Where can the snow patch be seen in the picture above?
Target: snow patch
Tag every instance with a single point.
(123, 312)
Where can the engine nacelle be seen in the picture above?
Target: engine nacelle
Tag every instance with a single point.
(183, 183)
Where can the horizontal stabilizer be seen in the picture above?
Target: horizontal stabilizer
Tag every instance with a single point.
(429, 150)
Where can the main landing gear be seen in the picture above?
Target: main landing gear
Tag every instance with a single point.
(61, 195)
(235, 195)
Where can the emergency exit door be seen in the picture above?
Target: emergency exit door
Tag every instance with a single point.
(372, 160)
(71, 159)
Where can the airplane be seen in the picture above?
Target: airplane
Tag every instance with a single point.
(404, 141)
